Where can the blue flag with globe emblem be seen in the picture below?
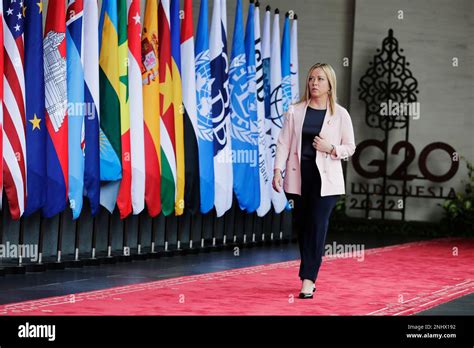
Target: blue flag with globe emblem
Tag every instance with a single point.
(253, 190)
(241, 132)
(204, 115)
(286, 65)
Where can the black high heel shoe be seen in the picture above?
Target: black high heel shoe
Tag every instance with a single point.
(304, 295)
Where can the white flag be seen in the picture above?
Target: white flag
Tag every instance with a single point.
(265, 175)
(276, 104)
(295, 89)
(223, 176)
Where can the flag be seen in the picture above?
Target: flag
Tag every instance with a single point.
(137, 146)
(55, 77)
(14, 156)
(75, 94)
(285, 64)
(124, 198)
(223, 177)
(167, 130)
(295, 80)
(253, 189)
(204, 111)
(276, 105)
(35, 122)
(110, 164)
(265, 176)
(266, 43)
(240, 125)
(151, 109)
(92, 135)
(191, 164)
(177, 106)
(1, 101)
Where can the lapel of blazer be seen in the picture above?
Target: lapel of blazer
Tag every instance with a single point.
(299, 122)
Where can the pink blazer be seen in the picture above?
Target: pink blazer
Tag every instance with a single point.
(337, 129)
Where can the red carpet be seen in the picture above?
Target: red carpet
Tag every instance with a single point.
(396, 280)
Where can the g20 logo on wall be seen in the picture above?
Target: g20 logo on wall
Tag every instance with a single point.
(394, 171)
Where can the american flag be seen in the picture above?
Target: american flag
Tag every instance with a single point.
(1, 101)
(14, 152)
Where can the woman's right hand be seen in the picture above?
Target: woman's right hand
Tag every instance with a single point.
(277, 180)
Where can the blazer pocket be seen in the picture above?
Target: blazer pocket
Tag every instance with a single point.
(335, 174)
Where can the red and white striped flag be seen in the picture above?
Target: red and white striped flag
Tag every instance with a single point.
(1, 101)
(14, 149)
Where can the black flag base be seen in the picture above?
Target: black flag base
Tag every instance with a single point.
(35, 267)
(15, 269)
(139, 257)
(108, 260)
(74, 264)
(55, 265)
(91, 262)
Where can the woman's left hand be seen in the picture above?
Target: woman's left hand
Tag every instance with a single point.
(321, 144)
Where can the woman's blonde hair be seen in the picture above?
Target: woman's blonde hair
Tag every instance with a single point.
(332, 94)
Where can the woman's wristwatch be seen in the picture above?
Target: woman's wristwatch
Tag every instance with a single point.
(333, 148)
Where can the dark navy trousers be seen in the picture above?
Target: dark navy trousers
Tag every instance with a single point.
(310, 218)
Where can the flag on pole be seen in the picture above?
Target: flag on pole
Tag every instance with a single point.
(223, 177)
(167, 130)
(90, 142)
(204, 111)
(137, 146)
(1, 101)
(191, 194)
(266, 54)
(285, 64)
(55, 71)
(264, 176)
(151, 109)
(14, 142)
(276, 104)
(75, 93)
(35, 123)
(177, 106)
(124, 198)
(266, 44)
(239, 112)
(110, 165)
(254, 176)
(295, 80)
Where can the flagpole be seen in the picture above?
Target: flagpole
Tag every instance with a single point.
(93, 261)
(76, 263)
(58, 264)
(39, 266)
(202, 233)
(153, 251)
(167, 251)
(139, 255)
(179, 224)
(125, 257)
(109, 258)
(19, 268)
